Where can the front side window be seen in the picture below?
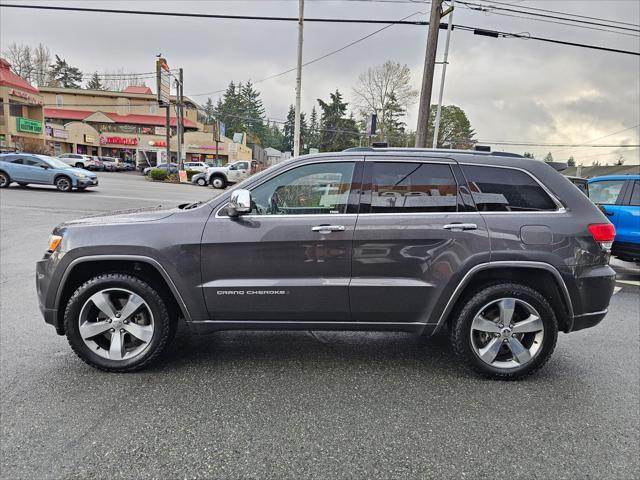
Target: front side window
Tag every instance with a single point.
(605, 192)
(319, 188)
(398, 187)
(32, 162)
(497, 189)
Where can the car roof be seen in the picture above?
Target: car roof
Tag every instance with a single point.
(614, 177)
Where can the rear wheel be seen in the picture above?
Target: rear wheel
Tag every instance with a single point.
(79, 165)
(64, 184)
(5, 181)
(505, 331)
(218, 181)
(117, 322)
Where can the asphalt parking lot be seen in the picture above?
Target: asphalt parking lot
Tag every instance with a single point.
(297, 405)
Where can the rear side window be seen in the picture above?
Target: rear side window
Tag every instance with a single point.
(605, 192)
(398, 187)
(635, 194)
(506, 190)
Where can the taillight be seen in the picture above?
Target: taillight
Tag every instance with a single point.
(603, 233)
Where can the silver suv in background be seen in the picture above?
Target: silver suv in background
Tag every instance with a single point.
(88, 162)
(501, 251)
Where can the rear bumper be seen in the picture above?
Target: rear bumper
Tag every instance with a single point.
(591, 295)
(626, 250)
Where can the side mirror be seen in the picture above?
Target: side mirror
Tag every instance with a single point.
(239, 203)
(45, 166)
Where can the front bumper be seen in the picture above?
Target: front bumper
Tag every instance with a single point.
(87, 182)
(44, 274)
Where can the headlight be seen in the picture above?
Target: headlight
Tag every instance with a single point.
(81, 176)
(54, 242)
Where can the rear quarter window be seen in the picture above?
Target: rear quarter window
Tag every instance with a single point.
(496, 189)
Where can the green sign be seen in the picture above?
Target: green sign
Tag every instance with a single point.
(27, 125)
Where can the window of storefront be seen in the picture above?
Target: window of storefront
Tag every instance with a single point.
(1, 107)
(59, 101)
(15, 109)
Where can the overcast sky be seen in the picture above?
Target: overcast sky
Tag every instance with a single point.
(512, 89)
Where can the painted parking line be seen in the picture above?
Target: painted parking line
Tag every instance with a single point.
(630, 282)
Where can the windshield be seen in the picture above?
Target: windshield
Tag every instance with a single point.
(54, 162)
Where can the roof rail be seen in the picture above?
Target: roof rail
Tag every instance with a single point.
(432, 150)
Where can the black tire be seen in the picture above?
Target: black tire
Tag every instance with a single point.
(218, 181)
(22, 184)
(202, 182)
(79, 165)
(63, 183)
(461, 331)
(5, 180)
(164, 327)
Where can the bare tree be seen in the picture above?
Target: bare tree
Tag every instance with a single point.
(41, 58)
(384, 86)
(20, 58)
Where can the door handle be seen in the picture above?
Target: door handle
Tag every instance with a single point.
(460, 226)
(328, 228)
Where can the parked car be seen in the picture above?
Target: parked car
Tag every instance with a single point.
(26, 168)
(499, 250)
(579, 182)
(126, 166)
(200, 179)
(169, 167)
(619, 198)
(110, 164)
(78, 160)
(196, 166)
(220, 177)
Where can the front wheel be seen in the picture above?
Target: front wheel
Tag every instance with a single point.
(117, 322)
(505, 331)
(64, 184)
(201, 182)
(79, 165)
(218, 182)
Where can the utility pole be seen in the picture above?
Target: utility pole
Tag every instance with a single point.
(436, 125)
(179, 106)
(427, 74)
(296, 134)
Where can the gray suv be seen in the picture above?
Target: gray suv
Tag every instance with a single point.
(499, 250)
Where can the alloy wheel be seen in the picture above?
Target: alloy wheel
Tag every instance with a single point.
(116, 324)
(63, 184)
(217, 182)
(507, 333)
(4, 180)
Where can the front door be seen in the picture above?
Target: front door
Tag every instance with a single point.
(238, 172)
(290, 258)
(37, 171)
(417, 231)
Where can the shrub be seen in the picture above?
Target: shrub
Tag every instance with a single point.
(158, 174)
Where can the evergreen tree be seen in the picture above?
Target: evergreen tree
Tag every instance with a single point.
(241, 110)
(571, 162)
(336, 131)
(208, 112)
(252, 110)
(64, 75)
(455, 129)
(289, 131)
(314, 130)
(548, 157)
(528, 155)
(394, 127)
(94, 83)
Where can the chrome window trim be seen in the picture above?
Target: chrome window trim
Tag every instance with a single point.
(554, 199)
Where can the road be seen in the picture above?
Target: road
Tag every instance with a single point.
(302, 404)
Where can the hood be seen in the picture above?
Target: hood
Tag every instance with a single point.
(122, 217)
(82, 170)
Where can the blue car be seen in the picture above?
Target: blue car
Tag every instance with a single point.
(619, 198)
(26, 168)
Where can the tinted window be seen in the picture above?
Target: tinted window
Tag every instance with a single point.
(605, 192)
(14, 159)
(506, 190)
(635, 194)
(320, 188)
(34, 162)
(398, 187)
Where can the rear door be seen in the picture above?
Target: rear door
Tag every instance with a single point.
(290, 258)
(417, 232)
(628, 227)
(608, 195)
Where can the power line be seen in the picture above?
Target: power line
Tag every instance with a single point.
(554, 17)
(604, 136)
(475, 30)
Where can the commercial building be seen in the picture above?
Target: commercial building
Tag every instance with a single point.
(127, 125)
(21, 112)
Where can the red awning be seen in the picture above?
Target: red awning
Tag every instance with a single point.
(10, 79)
(65, 114)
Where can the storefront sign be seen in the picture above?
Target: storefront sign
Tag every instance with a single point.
(157, 143)
(28, 125)
(206, 147)
(32, 99)
(164, 82)
(89, 139)
(233, 147)
(160, 130)
(118, 140)
(56, 132)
